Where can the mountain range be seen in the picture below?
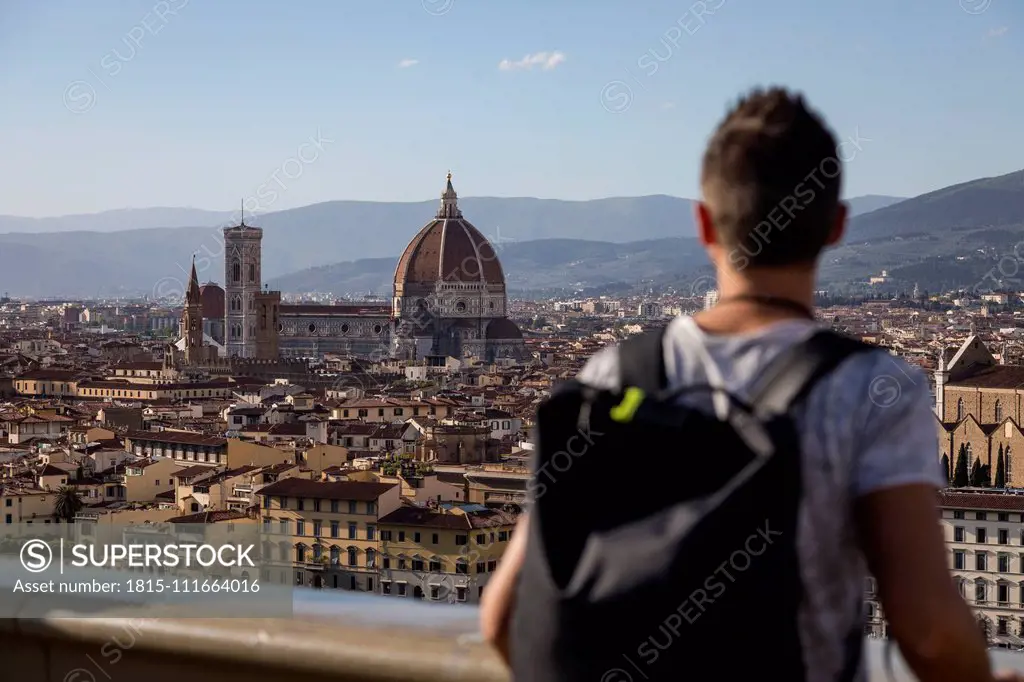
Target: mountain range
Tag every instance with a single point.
(350, 247)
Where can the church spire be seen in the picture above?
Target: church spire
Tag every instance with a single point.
(449, 201)
(192, 293)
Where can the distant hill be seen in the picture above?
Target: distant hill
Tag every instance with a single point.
(871, 202)
(352, 246)
(988, 202)
(116, 221)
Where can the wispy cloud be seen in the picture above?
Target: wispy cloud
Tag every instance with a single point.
(406, 63)
(543, 60)
(998, 32)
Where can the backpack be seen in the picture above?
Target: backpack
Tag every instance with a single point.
(673, 569)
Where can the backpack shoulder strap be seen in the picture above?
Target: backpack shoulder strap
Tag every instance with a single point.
(642, 362)
(788, 378)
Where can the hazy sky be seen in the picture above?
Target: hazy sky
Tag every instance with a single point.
(133, 103)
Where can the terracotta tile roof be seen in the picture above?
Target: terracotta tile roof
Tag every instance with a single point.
(338, 490)
(982, 501)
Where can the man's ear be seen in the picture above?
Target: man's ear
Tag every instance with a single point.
(839, 226)
(705, 226)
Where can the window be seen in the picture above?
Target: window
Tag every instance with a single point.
(1003, 627)
(481, 538)
(981, 516)
(462, 567)
(435, 566)
(283, 502)
(266, 525)
(958, 514)
(502, 536)
(266, 503)
(492, 565)
(433, 538)
(385, 562)
(981, 561)
(415, 537)
(1004, 516)
(999, 411)
(417, 564)
(252, 272)
(460, 594)
(385, 587)
(401, 589)
(1004, 565)
(334, 529)
(385, 536)
(352, 531)
(236, 276)
(284, 526)
(300, 527)
(1004, 536)
(371, 507)
(401, 563)
(461, 540)
(317, 528)
(481, 567)
(959, 560)
(299, 504)
(353, 558)
(352, 507)
(316, 505)
(958, 534)
(300, 553)
(979, 590)
(435, 592)
(1002, 593)
(334, 506)
(371, 532)
(980, 536)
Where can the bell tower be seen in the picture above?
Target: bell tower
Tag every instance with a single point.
(192, 320)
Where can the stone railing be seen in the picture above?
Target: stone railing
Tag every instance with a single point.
(333, 636)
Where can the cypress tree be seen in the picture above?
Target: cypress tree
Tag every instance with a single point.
(960, 477)
(976, 473)
(1000, 469)
(945, 466)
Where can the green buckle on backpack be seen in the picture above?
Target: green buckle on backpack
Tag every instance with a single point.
(625, 410)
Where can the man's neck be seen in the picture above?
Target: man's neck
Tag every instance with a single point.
(743, 297)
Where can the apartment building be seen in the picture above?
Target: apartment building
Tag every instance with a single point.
(26, 506)
(324, 534)
(442, 553)
(985, 535)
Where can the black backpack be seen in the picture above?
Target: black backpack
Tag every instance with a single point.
(662, 539)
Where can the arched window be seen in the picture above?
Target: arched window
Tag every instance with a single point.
(371, 559)
(959, 409)
(252, 272)
(335, 555)
(318, 551)
(980, 590)
(236, 272)
(353, 556)
(999, 411)
(300, 553)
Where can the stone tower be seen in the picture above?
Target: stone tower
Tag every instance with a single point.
(243, 245)
(941, 377)
(192, 320)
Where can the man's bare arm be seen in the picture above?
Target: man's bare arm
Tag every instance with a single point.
(498, 600)
(905, 550)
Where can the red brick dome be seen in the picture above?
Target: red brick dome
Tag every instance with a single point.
(449, 249)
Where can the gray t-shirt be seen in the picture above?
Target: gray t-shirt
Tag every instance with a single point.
(867, 426)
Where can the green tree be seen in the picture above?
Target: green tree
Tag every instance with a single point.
(945, 466)
(977, 473)
(67, 505)
(960, 476)
(1000, 469)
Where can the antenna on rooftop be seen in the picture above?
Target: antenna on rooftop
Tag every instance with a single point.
(242, 219)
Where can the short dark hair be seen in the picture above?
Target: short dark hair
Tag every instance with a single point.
(770, 178)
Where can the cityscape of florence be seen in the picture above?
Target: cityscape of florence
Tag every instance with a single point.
(285, 290)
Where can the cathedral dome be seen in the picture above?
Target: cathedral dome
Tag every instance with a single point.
(212, 298)
(449, 249)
